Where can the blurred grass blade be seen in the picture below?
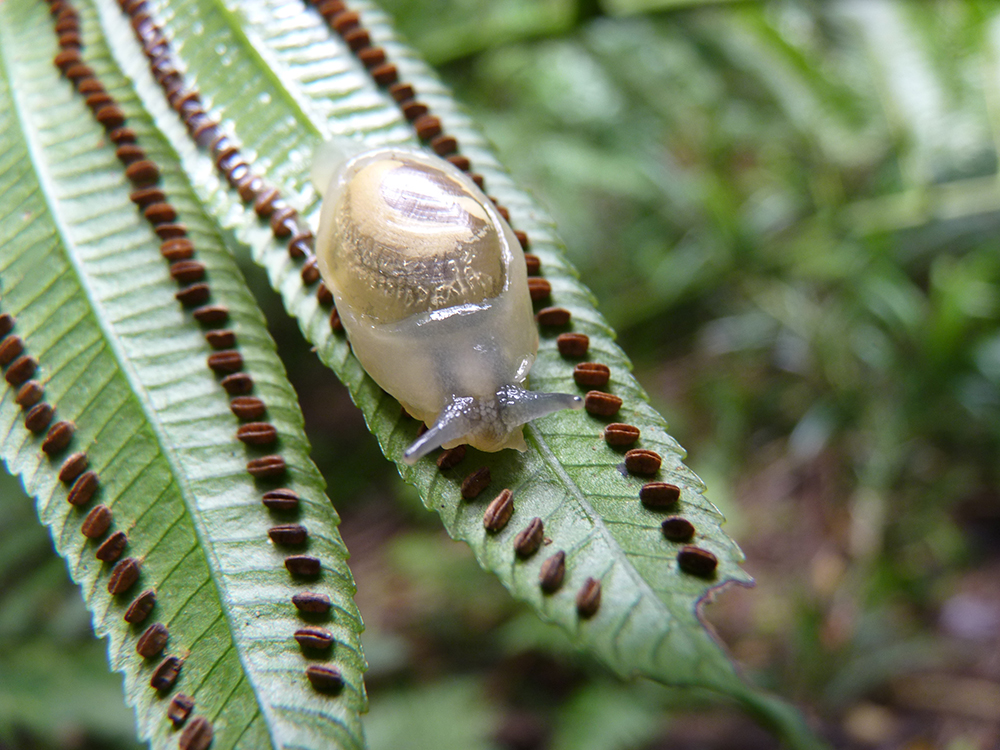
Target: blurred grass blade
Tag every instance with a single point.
(118, 356)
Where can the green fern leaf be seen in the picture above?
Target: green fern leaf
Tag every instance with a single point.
(298, 82)
(93, 302)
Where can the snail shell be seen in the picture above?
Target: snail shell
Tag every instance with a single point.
(431, 286)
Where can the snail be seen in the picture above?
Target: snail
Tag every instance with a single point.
(431, 286)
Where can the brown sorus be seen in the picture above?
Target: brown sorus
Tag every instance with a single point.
(475, 483)
(502, 210)
(323, 294)
(553, 317)
(187, 100)
(21, 369)
(601, 404)
(142, 172)
(311, 603)
(110, 116)
(98, 99)
(139, 610)
(283, 221)
(461, 161)
(128, 153)
(257, 433)
(165, 675)
(84, 487)
(10, 349)
(78, 71)
(314, 638)
(444, 145)
(697, 561)
(123, 576)
(237, 384)
(160, 213)
(70, 39)
(385, 74)
(204, 132)
(357, 39)
(38, 417)
(310, 272)
(533, 264)
(290, 534)
(336, 324)
(527, 542)
(197, 735)
(642, 461)
(478, 179)
(29, 394)
(451, 457)
(588, 598)
(6, 324)
(153, 640)
(427, 126)
(248, 407)
(179, 709)
(325, 679)
(68, 24)
(401, 92)
(591, 374)
(97, 522)
(266, 467)
(226, 153)
(145, 196)
(73, 467)
(58, 437)
(539, 289)
(553, 571)
(303, 565)
(249, 186)
(193, 295)
(499, 511)
(263, 205)
(236, 172)
(413, 109)
(522, 237)
(112, 547)
(573, 344)
(677, 529)
(371, 57)
(224, 339)
(67, 58)
(211, 315)
(227, 361)
(187, 271)
(169, 231)
(281, 500)
(331, 7)
(345, 21)
(178, 249)
(659, 495)
(618, 435)
(300, 246)
(122, 135)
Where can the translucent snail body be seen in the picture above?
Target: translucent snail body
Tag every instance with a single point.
(431, 286)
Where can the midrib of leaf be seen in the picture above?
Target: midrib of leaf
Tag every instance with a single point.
(174, 436)
(653, 629)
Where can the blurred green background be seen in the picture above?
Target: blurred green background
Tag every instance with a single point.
(789, 211)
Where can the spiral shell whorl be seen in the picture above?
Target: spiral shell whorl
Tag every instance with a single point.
(409, 238)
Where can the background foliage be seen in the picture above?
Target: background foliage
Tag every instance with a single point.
(788, 211)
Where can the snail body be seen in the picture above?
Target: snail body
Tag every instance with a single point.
(431, 286)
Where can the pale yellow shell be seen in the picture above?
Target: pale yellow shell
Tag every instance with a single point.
(430, 283)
